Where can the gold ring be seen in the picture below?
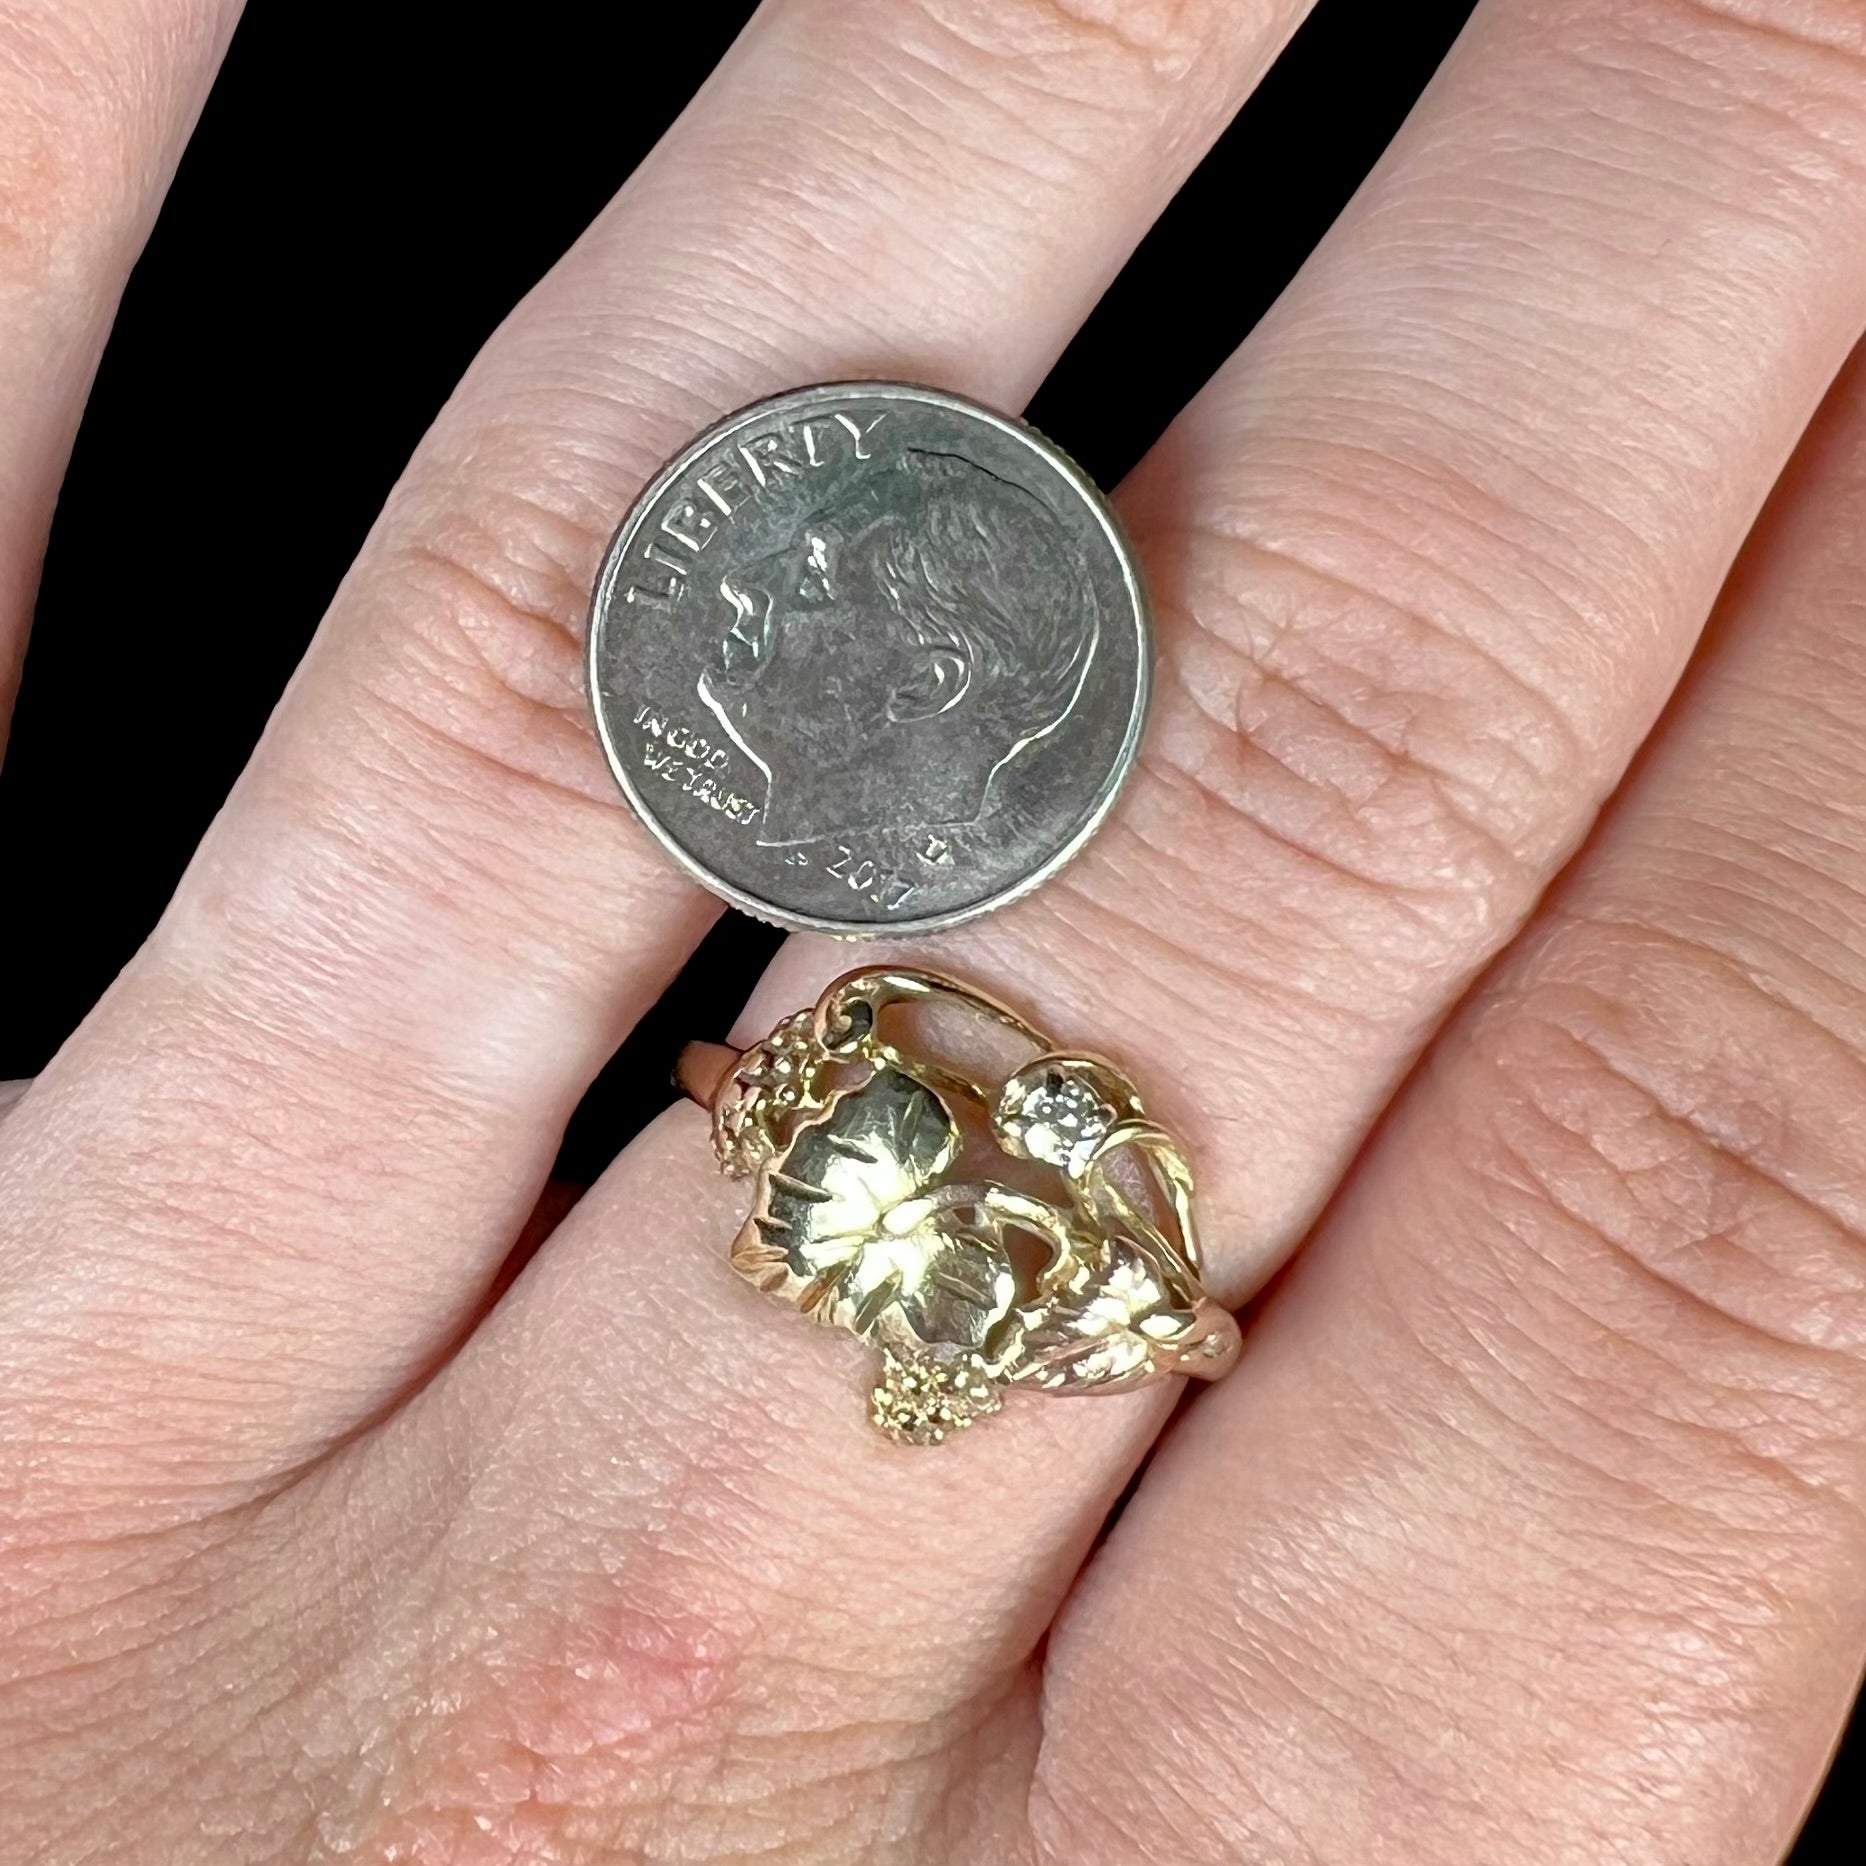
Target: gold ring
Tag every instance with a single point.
(1024, 1226)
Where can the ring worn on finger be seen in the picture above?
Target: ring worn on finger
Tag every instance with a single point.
(1031, 1228)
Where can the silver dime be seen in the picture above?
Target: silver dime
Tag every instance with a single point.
(869, 658)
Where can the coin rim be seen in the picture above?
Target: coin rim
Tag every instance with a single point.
(757, 905)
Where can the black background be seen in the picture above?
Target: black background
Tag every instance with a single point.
(361, 205)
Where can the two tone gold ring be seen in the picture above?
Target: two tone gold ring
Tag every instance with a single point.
(1027, 1225)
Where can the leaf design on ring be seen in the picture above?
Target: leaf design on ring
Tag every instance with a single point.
(1104, 1326)
(850, 1228)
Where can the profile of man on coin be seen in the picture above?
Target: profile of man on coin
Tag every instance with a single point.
(886, 662)
(867, 657)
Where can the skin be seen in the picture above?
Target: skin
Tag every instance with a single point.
(1528, 1530)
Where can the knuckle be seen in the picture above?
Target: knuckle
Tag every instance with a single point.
(1349, 708)
(1011, 101)
(1801, 31)
(1679, 1147)
(510, 1728)
(1790, 74)
(636, 1697)
(1349, 795)
(1158, 37)
(480, 661)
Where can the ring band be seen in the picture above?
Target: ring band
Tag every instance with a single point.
(1026, 1229)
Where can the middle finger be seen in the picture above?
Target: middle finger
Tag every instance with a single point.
(346, 1058)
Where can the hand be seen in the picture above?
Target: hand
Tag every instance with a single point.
(1527, 1531)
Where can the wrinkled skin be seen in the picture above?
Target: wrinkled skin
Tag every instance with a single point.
(1528, 1530)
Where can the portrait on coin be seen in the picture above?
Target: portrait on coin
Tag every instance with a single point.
(899, 648)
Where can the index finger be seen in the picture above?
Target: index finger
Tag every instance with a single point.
(96, 100)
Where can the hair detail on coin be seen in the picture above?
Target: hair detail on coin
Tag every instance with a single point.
(903, 646)
(1028, 641)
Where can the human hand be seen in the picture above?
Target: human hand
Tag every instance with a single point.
(1528, 1529)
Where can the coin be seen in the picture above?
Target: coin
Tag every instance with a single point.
(869, 658)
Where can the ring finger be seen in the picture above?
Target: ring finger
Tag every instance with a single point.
(1429, 555)
(1546, 1543)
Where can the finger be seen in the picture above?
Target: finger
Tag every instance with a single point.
(689, 1583)
(1427, 557)
(1246, 955)
(423, 921)
(1530, 1529)
(96, 99)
